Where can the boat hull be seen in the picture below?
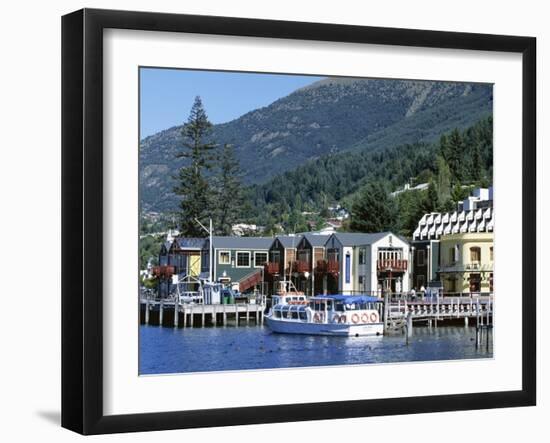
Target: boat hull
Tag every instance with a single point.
(336, 329)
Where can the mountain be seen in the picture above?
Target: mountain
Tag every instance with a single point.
(327, 117)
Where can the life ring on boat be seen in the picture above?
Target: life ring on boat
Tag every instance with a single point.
(355, 318)
(374, 317)
(365, 318)
(342, 319)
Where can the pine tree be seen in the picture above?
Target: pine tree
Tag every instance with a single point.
(431, 201)
(477, 167)
(193, 186)
(455, 155)
(443, 179)
(374, 210)
(229, 193)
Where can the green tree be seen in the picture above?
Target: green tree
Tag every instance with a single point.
(193, 186)
(229, 201)
(459, 193)
(374, 210)
(455, 156)
(431, 201)
(477, 165)
(443, 179)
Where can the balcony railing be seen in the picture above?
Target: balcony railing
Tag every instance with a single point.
(392, 265)
(327, 267)
(302, 266)
(272, 268)
(164, 271)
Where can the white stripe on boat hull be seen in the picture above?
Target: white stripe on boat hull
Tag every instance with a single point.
(341, 329)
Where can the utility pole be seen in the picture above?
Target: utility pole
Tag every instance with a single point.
(210, 251)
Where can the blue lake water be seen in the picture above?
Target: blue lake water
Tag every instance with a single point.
(168, 350)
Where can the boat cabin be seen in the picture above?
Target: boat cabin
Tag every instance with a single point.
(331, 309)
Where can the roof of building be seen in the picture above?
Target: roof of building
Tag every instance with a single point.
(289, 241)
(317, 240)
(358, 238)
(190, 242)
(242, 242)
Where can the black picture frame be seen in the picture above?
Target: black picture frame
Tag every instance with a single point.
(82, 215)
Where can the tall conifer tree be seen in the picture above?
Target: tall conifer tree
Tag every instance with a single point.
(229, 192)
(193, 186)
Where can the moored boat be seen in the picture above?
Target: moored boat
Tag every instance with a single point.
(341, 315)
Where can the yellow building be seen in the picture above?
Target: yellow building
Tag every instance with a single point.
(466, 262)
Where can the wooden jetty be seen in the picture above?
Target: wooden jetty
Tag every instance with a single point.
(399, 313)
(172, 313)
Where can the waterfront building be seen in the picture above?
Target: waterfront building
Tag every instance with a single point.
(310, 254)
(182, 256)
(473, 215)
(239, 261)
(281, 263)
(365, 263)
(466, 262)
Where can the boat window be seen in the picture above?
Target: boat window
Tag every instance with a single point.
(339, 307)
(329, 305)
(295, 315)
(302, 315)
(277, 314)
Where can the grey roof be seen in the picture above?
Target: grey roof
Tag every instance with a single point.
(317, 240)
(242, 242)
(190, 242)
(359, 239)
(289, 241)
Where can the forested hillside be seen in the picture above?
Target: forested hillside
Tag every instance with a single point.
(457, 160)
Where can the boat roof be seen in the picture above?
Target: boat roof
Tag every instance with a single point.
(348, 299)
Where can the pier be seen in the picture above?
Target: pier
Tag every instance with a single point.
(399, 313)
(170, 313)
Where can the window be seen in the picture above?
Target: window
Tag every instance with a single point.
(491, 253)
(275, 256)
(260, 259)
(420, 280)
(362, 256)
(243, 259)
(453, 254)
(224, 257)
(420, 257)
(475, 282)
(475, 254)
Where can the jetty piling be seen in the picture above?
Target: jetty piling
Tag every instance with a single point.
(201, 315)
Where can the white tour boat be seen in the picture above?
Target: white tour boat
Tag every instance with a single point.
(344, 315)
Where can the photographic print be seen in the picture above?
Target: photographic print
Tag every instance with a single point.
(293, 221)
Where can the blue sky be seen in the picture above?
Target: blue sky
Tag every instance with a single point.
(167, 94)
